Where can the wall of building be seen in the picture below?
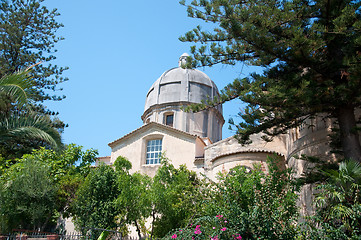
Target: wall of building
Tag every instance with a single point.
(207, 123)
(228, 153)
(247, 159)
(311, 139)
(173, 143)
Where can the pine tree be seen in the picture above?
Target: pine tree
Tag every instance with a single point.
(310, 51)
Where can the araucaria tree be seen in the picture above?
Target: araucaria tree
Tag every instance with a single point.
(27, 36)
(311, 54)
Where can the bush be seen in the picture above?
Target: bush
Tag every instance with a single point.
(247, 204)
(95, 202)
(27, 196)
(176, 197)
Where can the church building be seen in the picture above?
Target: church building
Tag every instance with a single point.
(195, 139)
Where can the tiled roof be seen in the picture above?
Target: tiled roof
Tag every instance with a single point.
(148, 125)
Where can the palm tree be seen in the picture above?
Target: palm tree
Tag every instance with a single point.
(21, 124)
(339, 200)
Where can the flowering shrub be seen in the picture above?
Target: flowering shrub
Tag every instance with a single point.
(246, 205)
(212, 228)
(175, 197)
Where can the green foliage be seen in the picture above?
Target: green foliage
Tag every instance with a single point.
(338, 205)
(68, 185)
(71, 161)
(310, 53)
(134, 199)
(68, 168)
(95, 203)
(27, 196)
(4, 165)
(122, 164)
(176, 197)
(111, 199)
(65, 171)
(253, 205)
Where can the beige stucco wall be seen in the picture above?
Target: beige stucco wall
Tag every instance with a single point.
(310, 139)
(105, 160)
(200, 144)
(229, 145)
(178, 147)
(67, 224)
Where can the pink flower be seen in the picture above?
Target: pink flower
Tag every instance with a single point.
(238, 237)
(174, 236)
(219, 216)
(214, 238)
(197, 230)
(214, 227)
(223, 229)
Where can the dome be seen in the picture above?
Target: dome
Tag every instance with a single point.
(180, 85)
(177, 88)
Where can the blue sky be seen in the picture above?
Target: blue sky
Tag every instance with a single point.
(115, 50)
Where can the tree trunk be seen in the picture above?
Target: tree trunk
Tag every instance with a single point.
(138, 230)
(348, 133)
(153, 215)
(45, 223)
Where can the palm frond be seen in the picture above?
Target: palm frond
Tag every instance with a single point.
(29, 126)
(340, 211)
(17, 86)
(351, 169)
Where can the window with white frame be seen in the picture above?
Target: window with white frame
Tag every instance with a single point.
(154, 151)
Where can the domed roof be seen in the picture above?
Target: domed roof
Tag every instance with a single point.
(181, 85)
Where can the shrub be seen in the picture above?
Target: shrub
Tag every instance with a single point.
(247, 204)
